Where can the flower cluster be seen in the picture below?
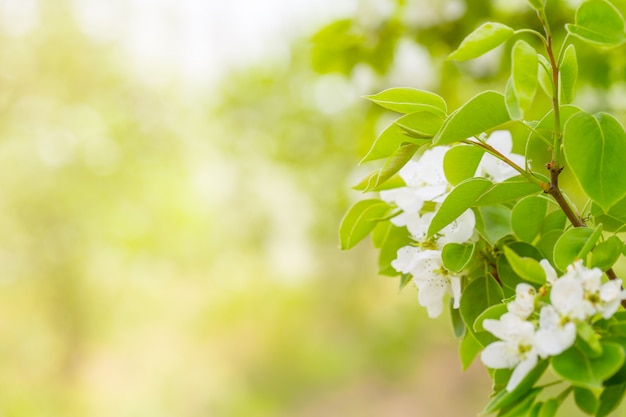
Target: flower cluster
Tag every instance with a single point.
(533, 328)
(426, 187)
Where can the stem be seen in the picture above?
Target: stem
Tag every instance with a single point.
(555, 166)
(555, 192)
(532, 32)
(493, 151)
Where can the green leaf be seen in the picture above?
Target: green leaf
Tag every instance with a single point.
(469, 348)
(485, 38)
(527, 268)
(568, 74)
(389, 141)
(460, 199)
(554, 221)
(574, 244)
(368, 183)
(537, 4)
(524, 64)
(480, 294)
(483, 112)
(505, 399)
(421, 124)
(607, 253)
(359, 221)
(460, 162)
(511, 189)
(394, 239)
(598, 22)
(493, 222)
(588, 340)
(512, 101)
(456, 256)
(546, 125)
(547, 242)
(405, 279)
(586, 400)
(576, 367)
(544, 75)
(494, 312)
(595, 147)
(380, 232)
(613, 219)
(523, 406)
(409, 100)
(549, 408)
(527, 217)
(394, 164)
(610, 399)
(508, 276)
(457, 322)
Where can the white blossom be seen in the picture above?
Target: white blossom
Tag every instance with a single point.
(611, 296)
(568, 298)
(432, 280)
(524, 303)
(516, 349)
(493, 168)
(426, 175)
(459, 231)
(551, 276)
(555, 333)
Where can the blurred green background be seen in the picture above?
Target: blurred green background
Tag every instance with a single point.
(168, 237)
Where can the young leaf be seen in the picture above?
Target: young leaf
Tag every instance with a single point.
(460, 163)
(537, 4)
(598, 22)
(389, 141)
(507, 275)
(485, 38)
(574, 244)
(460, 199)
(421, 124)
(576, 367)
(527, 268)
(568, 74)
(395, 162)
(359, 221)
(394, 239)
(544, 75)
(456, 256)
(483, 112)
(527, 217)
(546, 124)
(595, 148)
(606, 253)
(410, 100)
(524, 64)
(512, 101)
(511, 189)
(369, 183)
